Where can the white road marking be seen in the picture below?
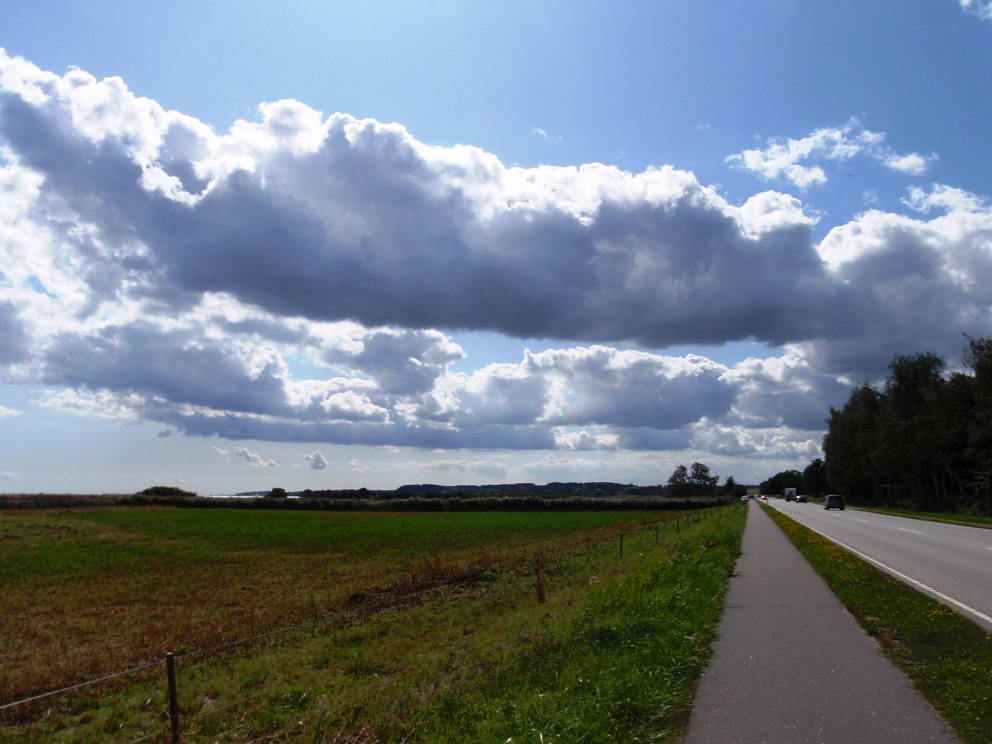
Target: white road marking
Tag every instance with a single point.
(865, 521)
(905, 530)
(911, 580)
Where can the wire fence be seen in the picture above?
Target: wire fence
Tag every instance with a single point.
(80, 685)
(366, 610)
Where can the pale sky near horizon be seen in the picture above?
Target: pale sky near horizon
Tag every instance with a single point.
(332, 245)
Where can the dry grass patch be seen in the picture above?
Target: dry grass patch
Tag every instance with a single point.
(87, 593)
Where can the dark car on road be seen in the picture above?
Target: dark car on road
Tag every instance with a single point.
(833, 501)
(801, 498)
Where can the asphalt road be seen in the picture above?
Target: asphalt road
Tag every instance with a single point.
(791, 665)
(949, 562)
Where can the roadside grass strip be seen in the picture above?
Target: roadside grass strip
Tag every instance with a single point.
(947, 657)
(611, 655)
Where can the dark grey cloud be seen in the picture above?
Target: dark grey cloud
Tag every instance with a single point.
(654, 440)
(232, 426)
(915, 286)
(174, 366)
(14, 339)
(369, 232)
(267, 328)
(782, 393)
(368, 228)
(198, 384)
(402, 363)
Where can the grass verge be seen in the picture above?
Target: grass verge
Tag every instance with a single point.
(611, 656)
(947, 656)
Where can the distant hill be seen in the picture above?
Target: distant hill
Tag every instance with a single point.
(594, 488)
(555, 489)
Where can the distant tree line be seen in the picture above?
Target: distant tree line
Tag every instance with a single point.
(521, 490)
(924, 440)
(408, 504)
(555, 488)
(512, 502)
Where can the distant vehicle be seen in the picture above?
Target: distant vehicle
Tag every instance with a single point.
(801, 499)
(764, 498)
(745, 497)
(833, 501)
(790, 494)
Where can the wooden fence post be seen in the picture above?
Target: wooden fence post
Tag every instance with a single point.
(170, 668)
(621, 546)
(540, 583)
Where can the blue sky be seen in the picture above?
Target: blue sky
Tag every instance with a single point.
(788, 194)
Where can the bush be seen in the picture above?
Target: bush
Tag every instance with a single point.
(166, 491)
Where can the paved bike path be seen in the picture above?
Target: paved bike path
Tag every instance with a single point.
(791, 665)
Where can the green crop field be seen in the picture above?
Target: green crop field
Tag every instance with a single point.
(401, 626)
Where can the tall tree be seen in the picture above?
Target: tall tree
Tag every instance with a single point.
(849, 445)
(815, 478)
(700, 480)
(907, 445)
(732, 488)
(924, 440)
(678, 483)
(978, 358)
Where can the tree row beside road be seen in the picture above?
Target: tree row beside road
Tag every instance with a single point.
(923, 440)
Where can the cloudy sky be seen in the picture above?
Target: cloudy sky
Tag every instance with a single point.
(248, 244)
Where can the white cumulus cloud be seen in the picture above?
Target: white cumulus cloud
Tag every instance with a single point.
(786, 158)
(315, 461)
(299, 278)
(253, 458)
(914, 164)
(980, 8)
